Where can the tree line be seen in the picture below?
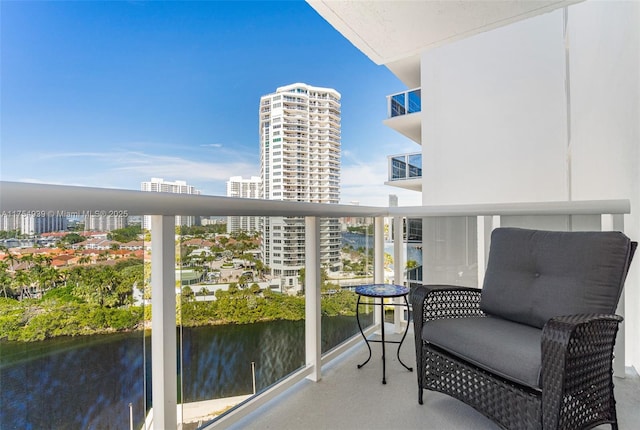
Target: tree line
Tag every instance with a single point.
(98, 299)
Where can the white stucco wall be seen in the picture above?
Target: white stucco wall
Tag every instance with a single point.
(494, 127)
(604, 58)
(500, 125)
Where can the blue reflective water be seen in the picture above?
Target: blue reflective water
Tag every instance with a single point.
(88, 382)
(413, 250)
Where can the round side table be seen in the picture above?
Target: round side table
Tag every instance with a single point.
(382, 291)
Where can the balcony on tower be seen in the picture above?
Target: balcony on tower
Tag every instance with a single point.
(405, 171)
(403, 114)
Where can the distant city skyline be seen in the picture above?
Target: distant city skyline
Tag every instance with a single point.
(110, 94)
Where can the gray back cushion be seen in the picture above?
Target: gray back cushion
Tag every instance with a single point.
(534, 275)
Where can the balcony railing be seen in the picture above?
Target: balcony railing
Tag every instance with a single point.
(405, 166)
(403, 114)
(404, 103)
(405, 171)
(457, 237)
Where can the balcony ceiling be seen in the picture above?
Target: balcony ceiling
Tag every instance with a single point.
(394, 33)
(412, 184)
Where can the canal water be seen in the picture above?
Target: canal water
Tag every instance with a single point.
(412, 251)
(88, 382)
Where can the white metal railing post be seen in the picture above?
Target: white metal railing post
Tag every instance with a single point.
(609, 222)
(312, 285)
(481, 244)
(378, 250)
(163, 323)
(398, 271)
(378, 259)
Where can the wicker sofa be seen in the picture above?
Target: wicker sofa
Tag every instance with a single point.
(532, 349)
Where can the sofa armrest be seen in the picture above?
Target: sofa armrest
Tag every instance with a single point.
(576, 351)
(431, 302)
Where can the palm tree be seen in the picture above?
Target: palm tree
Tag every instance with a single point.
(5, 279)
(22, 282)
(85, 259)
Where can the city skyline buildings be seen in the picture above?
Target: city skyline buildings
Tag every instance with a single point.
(300, 148)
(159, 185)
(108, 94)
(239, 187)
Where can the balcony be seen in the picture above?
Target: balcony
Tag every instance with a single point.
(351, 398)
(456, 235)
(403, 114)
(405, 171)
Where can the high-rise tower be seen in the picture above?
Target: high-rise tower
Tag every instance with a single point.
(159, 185)
(237, 186)
(299, 161)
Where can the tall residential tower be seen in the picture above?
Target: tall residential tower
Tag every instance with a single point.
(246, 189)
(159, 185)
(299, 161)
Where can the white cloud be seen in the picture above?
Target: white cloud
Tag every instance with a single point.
(361, 181)
(126, 169)
(364, 183)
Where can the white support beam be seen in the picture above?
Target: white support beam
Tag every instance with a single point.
(398, 271)
(163, 323)
(378, 250)
(378, 261)
(312, 284)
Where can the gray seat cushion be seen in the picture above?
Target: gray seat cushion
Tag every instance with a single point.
(502, 347)
(534, 275)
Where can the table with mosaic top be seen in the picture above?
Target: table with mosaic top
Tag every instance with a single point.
(381, 292)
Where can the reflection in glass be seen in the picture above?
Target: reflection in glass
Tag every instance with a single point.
(405, 103)
(398, 167)
(397, 105)
(414, 101)
(405, 166)
(415, 165)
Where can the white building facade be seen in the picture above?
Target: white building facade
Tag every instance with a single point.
(528, 102)
(300, 140)
(159, 185)
(104, 222)
(35, 224)
(246, 189)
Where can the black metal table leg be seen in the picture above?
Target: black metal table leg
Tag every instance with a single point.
(384, 367)
(362, 333)
(405, 335)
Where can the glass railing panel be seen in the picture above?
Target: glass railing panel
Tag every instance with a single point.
(71, 344)
(352, 265)
(451, 251)
(415, 165)
(240, 331)
(397, 107)
(405, 166)
(414, 101)
(398, 167)
(404, 103)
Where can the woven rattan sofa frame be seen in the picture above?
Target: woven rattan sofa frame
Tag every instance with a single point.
(577, 354)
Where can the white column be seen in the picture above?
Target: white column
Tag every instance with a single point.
(616, 223)
(163, 323)
(378, 250)
(312, 284)
(398, 271)
(485, 225)
(378, 261)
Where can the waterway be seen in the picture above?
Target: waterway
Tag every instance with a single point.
(412, 251)
(88, 382)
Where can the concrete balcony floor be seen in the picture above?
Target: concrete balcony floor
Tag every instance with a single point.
(350, 398)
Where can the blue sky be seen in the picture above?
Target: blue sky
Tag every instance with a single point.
(112, 93)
